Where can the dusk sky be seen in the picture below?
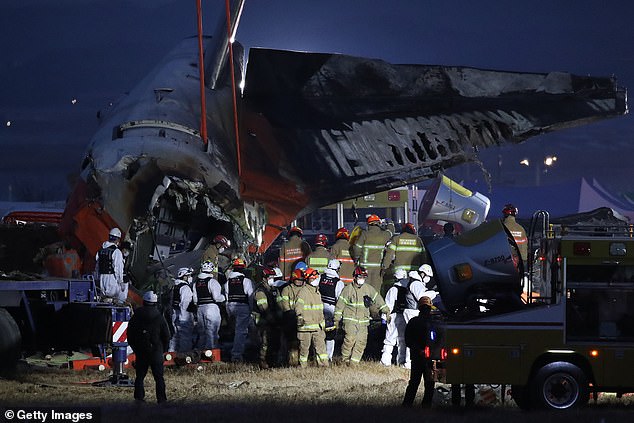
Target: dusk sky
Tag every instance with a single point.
(93, 51)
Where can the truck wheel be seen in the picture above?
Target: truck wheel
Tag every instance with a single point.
(519, 393)
(559, 386)
(10, 340)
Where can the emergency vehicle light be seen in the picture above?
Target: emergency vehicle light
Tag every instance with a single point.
(455, 351)
(594, 353)
(427, 352)
(443, 353)
(581, 248)
(463, 272)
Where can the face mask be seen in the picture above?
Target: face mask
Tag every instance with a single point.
(426, 279)
(271, 281)
(189, 279)
(360, 281)
(221, 250)
(314, 282)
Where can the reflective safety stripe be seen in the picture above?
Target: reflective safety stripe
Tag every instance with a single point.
(311, 327)
(356, 320)
(366, 264)
(261, 301)
(356, 360)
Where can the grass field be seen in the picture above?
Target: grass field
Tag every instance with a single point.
(222, 392)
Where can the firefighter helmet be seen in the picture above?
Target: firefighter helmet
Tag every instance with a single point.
(426, 269)
(373, 219)
(272, 272)
(207, 266)
(301, 266)
(342, 233)
(185, 271)
(296, 230)
(321, 239)
(310, 274)
(424, 300)
(334, 264)
(409, 228)
(238, 263)
(150, 297)
(298, 274)
(114, 235)
(360, 271)
(509, 210)
(222, 240)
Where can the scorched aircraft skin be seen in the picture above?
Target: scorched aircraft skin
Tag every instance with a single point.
(314, 129)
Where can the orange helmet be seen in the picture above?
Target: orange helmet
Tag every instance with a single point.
(238, 263)
(409, 228)
(342, 233)
(310, 273)
(321, 239)
(360, 271)
(296, 230)
(222, 240)
(509, 210)
(373, 219)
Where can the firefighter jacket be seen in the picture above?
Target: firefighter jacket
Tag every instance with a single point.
(239, 288)
(406, 251)
(368, 250)
(519, 235)
(318, 259)
(288, 297)
(353, 305)
(340, 250)
(292, 251)
(310, 308)
(267, 310)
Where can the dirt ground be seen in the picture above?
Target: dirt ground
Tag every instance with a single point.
(222, 392)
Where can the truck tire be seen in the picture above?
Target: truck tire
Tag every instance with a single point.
(10, 340)
(519, 393)
(559, 386)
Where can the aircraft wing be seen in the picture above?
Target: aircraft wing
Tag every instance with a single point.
(334, 127)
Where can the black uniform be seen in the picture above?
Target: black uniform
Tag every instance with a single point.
(416, 339)
(148, 335)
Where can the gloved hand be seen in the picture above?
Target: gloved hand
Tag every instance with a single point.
(388, 318)
(300, 321)
(337, 325)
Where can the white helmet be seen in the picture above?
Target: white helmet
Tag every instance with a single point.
(400, 274)
(334, 264)
(207, 266)
(150, 297)
(278, 273)
(426, 269)
(185, 271)
(115, 233)
(413, 274)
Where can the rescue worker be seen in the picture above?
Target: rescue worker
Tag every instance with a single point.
(516, 230)
(318, 259)
(309, 310)
(330, 287)
(239, 290)
(369, 248)
(353, 310)
(184, 310)
(268, 316)
(405, 251)
(340, 250)
(293, 250)
(148, 336)
(401, 301)
(110, 268)
(416, 338)
(209, 298)
(289, 318)
(215, 251)
(448, 230)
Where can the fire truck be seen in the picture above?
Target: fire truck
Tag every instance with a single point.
(556, 329)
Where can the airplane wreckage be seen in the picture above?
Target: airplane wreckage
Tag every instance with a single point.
(308, 129)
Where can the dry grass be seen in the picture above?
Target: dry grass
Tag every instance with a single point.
(222, 392)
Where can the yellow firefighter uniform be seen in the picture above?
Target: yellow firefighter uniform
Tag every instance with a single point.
(368, 252)
(340, 250)
(310, 325)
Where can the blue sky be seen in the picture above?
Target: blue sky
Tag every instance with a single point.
(94, 51)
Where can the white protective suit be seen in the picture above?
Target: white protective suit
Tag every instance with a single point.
(329, 311)
(183, 320)
(240, 311)
(209, 318)
(112, 284)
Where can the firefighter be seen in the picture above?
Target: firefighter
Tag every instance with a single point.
(209, 298)
(401, 301)
(416, 339)
(309, 310)
(293, 250)
(289, 318)
(215, 251)
(369, 248)
(353, 310)
(268, 316)
(109, 268)
(149, 336)
(405, 251)
(318, 259)
(340, 250)
(184, 309)
(516, 230)
(239, 290)
(330, 287)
